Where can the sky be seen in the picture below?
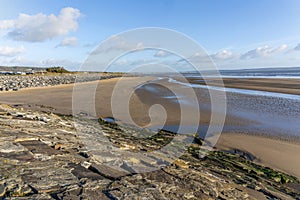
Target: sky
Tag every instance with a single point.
(235, 34)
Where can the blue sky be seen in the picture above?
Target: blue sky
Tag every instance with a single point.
(236, 34)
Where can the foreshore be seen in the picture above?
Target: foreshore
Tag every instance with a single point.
(268, 151)
(280, 85)
(45, 156)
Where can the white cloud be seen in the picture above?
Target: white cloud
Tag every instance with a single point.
(11, 51)
(68, 42)
(6, 24)
(281, 48)
(198, 58)
(18, 61)
(21, 61)
(139, 46)
(223, 55)
(41, 27)
(162, 53)
(264, 51)
(117, 43)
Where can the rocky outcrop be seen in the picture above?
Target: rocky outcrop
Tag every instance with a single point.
(43, 156)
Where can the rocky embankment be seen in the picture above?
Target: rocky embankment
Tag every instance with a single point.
(42, 156)
(16, 82)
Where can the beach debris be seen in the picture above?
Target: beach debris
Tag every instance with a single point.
(44, 119)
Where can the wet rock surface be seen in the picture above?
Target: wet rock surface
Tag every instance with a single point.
(50, 159)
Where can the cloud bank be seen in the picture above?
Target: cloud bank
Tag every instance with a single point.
(264, 51)
(68, 42)
(223, 55)
(41, 27)
(11, 51)
(161, 54)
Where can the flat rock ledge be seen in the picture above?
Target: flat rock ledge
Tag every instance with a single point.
(42, 156)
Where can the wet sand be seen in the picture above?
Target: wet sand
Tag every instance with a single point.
(57, 99)
(282, 85)
(271, 152)
(276, 154)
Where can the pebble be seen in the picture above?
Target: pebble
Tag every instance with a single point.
(44, 119)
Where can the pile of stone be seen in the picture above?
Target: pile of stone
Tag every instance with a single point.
(14, 83)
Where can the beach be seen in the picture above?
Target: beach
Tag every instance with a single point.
(271, 84)
(270, 152)
(263, 126)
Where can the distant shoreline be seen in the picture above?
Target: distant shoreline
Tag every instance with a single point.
(279, 85)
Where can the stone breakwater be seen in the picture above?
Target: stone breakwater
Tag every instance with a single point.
(14, 83)
(42, 156)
